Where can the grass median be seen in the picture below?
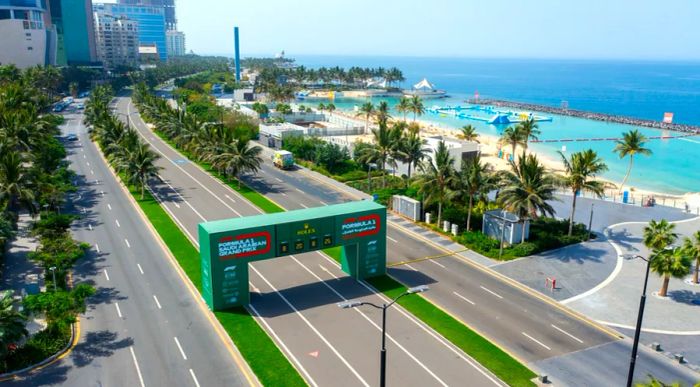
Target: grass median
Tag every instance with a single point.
(483, 351)
(266, 360)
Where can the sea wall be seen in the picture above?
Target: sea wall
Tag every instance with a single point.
(589, 115)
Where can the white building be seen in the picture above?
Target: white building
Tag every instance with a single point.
(175, 43)
(459, 150)
(25, 38)
(117, 40)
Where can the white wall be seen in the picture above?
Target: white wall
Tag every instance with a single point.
(15, 42)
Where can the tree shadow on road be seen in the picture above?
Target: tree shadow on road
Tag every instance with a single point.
(624, 239)
(685, 297)
(98, 344)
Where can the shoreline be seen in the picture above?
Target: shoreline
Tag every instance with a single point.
(604, 117)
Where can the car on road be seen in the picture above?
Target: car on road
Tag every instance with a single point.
(80, 106)
(72, 137)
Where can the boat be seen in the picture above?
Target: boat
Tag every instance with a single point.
(425, 90)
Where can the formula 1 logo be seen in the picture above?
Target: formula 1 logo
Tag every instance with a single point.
(245, 245)
(361, 226)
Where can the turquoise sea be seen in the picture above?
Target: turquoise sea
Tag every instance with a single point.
(636, 89)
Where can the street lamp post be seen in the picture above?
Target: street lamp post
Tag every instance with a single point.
(369, 175)
(53, 271)
(590, 222)
(383, 307)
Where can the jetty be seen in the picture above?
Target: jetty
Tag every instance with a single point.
(490, 103)
(584, 139)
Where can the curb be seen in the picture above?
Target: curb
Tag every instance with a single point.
(221, 332)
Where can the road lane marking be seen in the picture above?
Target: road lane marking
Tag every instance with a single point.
(118, 225)
(392, 239)
(302, 204)
(109, 206)
(255, 289)
(327, 271)
(312, 327)
(194, 378)
(435, 262)
(119, 311)
(536, 341)
(323, 203)
(391, 338)
(567, 333)
(299, 190)
(283, 194)
(97, 247)
(136, 363)
(411, 267)
(176, 205)
(185, 201)
(102, 193)
(90, 226)
(230, 198)
(140, 269)
(84, 156)
(157, 303)
(88, 163)
(92, 172)
(464, 298)
(492, 292)
(177, 342)
(278, 179)
(106, 275)
(127, 243)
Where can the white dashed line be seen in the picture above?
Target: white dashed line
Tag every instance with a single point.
(90, 226)
(278, 179)
(109, 206)
(139, 266)
(408, 265)
(88, 163)
(194, 378)
(92, 172)
(84, 156)
(127, 243)
(536, 341)
(119, 311)
(106, 275)
(118, 225)
(323, 203)
(567, 333)
(328, 271)
(283, 194)
(492, 292)
(437, 263)
(102, 193)
(97, 247)
(230, 198)
(177, 342)
(299, 190)
(136, 363)
(157, 303)
(303, 205)
(464, 298)
(392, 239)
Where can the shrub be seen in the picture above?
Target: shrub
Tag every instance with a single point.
(524, 249)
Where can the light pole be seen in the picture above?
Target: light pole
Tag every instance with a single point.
(128, 119)
(590, 222)
(369, 176)
(53, 271)
(383, 307)
(640, 316)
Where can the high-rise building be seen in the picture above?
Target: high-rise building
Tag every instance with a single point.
(151, 23)
(75, 30)
(117, 41)
(168, 9)
(176, 43)
(25, 40)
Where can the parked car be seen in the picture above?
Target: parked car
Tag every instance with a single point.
(72, 137)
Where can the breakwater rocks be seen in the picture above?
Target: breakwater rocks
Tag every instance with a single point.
(589, 115)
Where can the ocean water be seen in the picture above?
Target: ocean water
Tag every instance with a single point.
(636, 89)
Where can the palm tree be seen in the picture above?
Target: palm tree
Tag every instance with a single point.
(404, 106)
(417, 107)
(14, 182)
(659, 235)
(513, 137)
(437, 178)
(670, 263)
(580, 169)
(692, 249)
(331, 108)
(529, 130)
(474, 181)
(413, 151)
(380, 152)
(469, 134)
(631, 144)
(12, 324)
(140, 166)
(237, 157)
(321, 107)
(527, 189)
(366, 110)
(382, 113)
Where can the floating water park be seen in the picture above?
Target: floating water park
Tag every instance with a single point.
(494, 116)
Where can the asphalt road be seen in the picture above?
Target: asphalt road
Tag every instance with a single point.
(143, 327)
(295, 298)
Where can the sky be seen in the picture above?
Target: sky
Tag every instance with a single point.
(584, 29)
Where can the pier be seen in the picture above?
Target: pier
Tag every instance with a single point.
(588, 115)
(611, 138)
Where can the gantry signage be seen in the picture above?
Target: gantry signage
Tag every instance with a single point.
(227, 246)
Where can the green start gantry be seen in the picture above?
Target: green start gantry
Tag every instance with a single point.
(227, 246)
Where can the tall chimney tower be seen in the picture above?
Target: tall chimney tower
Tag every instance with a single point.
(237, 57)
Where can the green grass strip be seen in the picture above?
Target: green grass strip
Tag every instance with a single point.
(260, 352)
(483, 351)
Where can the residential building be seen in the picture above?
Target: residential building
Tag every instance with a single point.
(117, 41)
(75, 31)
(150, 19)
(26, 38)
(175, 43)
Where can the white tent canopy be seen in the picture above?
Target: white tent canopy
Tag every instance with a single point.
(424, 85)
